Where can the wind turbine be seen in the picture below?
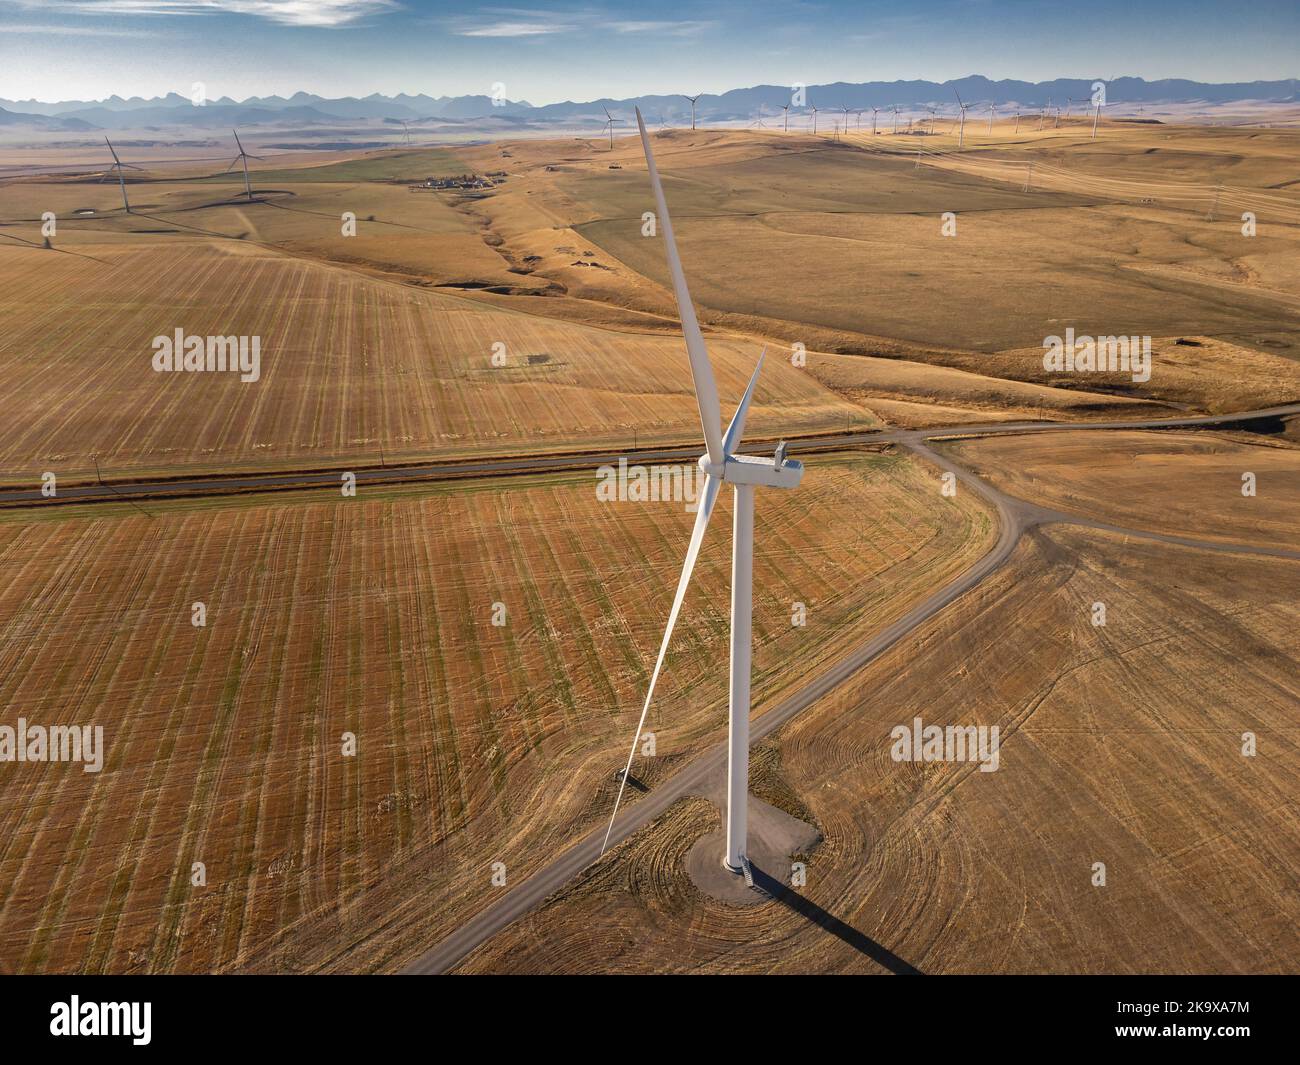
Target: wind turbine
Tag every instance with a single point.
(609, 126)
(119, 166)
(814, 111)
(407, 130)
(1017, 121)
(744, 473)
(243, 157)
(692, 99)
(786, 117)
(991, 106)
(961, 129)
(874, 111)
(1096, 115)
(895, 119)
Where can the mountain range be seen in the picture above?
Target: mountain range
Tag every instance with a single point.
(303, 108)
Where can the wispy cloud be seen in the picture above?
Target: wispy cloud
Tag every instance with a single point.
(684, 28)
(43, 30)
(321, 13)
(516, 22)
(514, 29)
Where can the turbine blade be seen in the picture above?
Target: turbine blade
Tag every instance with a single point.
(111, 149)
(736, 429)
(706, 388)
(711, 487)
(237, 144)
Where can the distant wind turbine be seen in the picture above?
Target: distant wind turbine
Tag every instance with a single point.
(243, 157)
(119, 166)
(786, 117)
(814, 111)
(874, 111)
(895, 119)
(744, 473)
(693, 99)
(961, 129)
(991, 106)
(609, 126)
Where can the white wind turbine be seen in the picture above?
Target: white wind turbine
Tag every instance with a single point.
(786, 117)
(243, 157)
(814, 111)
(991, 107)
(895, 119)
(1096, 114)
(745, 473)
(874, 112)
(693, 99)
(609, 126)
(961, 129)
(119, 166)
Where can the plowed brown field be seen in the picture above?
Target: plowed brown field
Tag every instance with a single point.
(372, 615)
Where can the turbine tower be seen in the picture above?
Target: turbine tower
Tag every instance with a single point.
(1096, 114)
(786, 117)
(991, 107)
(243, 157)
(874, 111)
(721, 464)
(119, 166)
(609, 126)
(814, 111)
(895, 119)
(692, 99)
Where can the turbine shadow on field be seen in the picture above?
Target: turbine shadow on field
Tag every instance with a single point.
(859, 941)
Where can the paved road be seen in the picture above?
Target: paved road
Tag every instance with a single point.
(1014, 517)
(112, 490)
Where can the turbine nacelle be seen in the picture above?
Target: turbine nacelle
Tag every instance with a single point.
(755, 470)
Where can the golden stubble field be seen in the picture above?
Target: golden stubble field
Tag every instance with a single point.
(1120, 745)
(350, 365)
(373, 616)
(1188, 484)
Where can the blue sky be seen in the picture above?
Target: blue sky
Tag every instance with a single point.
(88, 49)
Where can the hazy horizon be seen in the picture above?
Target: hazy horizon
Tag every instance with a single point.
(60, 50)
